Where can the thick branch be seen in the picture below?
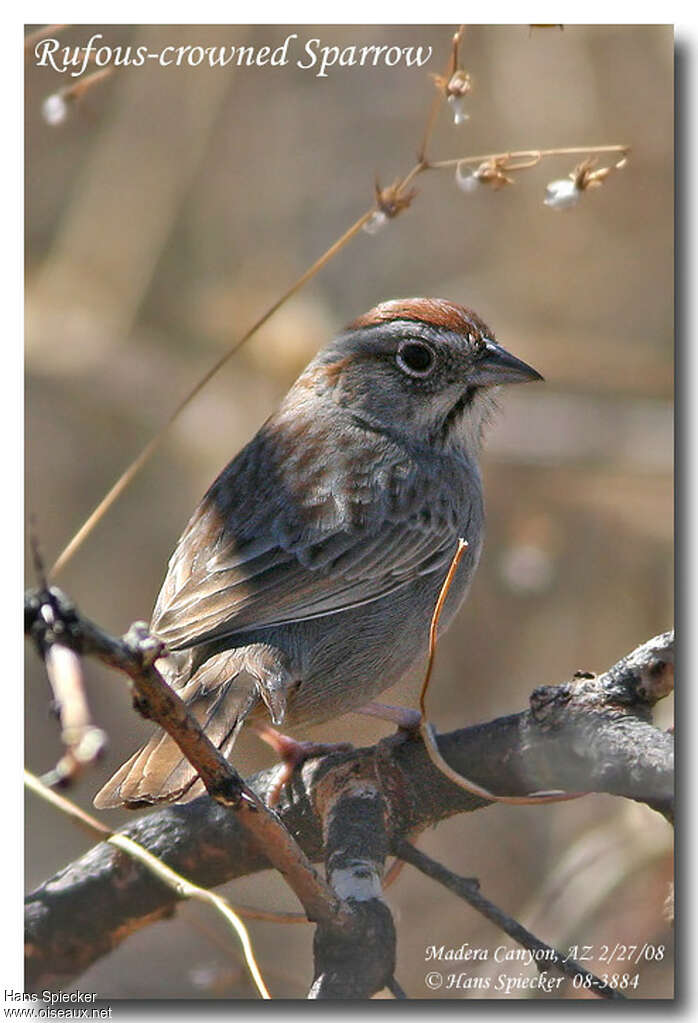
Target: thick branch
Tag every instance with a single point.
(135, 654)
(356, 840)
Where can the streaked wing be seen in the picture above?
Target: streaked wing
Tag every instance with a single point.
(262, 550)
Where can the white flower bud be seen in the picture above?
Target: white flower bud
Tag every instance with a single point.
(54, 109)
(376, 222)
(457, 104)
(467, 179)
(562, 194)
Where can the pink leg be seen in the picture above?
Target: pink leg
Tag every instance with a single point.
(405, 718)
(293, 754)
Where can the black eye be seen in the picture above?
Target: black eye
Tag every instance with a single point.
(415, 358)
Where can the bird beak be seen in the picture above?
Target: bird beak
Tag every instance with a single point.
(498, 366)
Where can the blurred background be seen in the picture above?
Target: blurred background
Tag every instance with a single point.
(168, 210)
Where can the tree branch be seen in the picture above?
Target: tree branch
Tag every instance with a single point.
(591, 733)
(135, 654)
(356, 840)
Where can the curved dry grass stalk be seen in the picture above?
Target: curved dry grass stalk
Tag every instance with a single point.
(389, 203)
(427, 731)
(183, 887)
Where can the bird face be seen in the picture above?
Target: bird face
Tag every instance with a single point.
(421, 368)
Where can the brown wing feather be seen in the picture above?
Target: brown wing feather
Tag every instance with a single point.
(221, 700)
(262, 550)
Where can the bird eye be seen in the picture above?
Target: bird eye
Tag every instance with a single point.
(415, 358)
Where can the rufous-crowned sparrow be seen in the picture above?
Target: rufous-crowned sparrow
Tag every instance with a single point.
(305, 581)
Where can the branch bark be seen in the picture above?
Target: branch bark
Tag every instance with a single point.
(593, 733)
(135, 654)
(356, 841)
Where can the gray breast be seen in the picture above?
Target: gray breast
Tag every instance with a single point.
(351, 658)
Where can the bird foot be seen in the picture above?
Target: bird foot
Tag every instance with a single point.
(293, 754)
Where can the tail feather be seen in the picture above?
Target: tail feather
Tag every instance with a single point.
(158, 772)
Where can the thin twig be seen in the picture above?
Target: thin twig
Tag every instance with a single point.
(437, 101)
(66, 806)
(427, 732)
(393, 872)
(84, 742)
(535, 155)
(468, 889)
(135, 655)
(77, 91)
(428, 735)
(618, 751)
(37, 558)
(395, 989)
(87, 822)
(171, 878)
(153, 444)
(422, 165)
(433, 627)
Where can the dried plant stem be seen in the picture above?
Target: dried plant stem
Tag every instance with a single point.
(92, 826)
(80, 88)
(433, 627)
(436, 102)
(135, 655)
(418, 168)
(427, 732)
(153, 444)
(84, 742)
(534, 156)
(171, 878)
(86, 821)
(428, 735)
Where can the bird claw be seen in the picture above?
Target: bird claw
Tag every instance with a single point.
(271, 670)
(293, 755)
(274, 698)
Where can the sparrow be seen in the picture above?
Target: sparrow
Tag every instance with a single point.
(305, 581)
